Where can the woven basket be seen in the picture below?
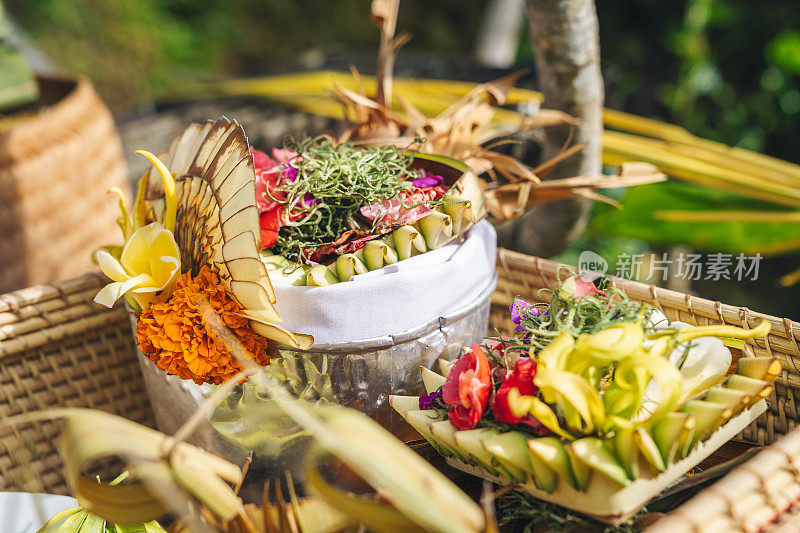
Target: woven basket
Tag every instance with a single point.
(59, 348)
(55, 168)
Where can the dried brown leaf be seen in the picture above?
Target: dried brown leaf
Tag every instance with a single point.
(384, 14)
(498, 89)
(356, 98)
(602, 181)
(547, 167)
(547, 118)
(509, 167)
(357, 78)
(416, 118)
(480, 165)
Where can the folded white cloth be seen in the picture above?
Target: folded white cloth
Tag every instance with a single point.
(395, 298)
(24, 512)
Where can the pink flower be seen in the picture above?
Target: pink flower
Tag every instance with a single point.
(393, 211)
(426, 182)
(575, 287)
(269, 172)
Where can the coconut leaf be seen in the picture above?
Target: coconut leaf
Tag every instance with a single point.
(641, 219)
(167, 475)
(420, 493)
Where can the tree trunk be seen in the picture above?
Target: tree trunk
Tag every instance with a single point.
(499, 33)
(565, 40)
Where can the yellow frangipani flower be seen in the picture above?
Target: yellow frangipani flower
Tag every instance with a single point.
(147, 270)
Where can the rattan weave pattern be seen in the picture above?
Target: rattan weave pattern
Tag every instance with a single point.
(55, 168)
(58, 348)
(523, 275)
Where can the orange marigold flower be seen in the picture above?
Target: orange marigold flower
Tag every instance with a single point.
(197, 333)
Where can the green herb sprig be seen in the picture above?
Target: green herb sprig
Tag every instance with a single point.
(588, 314)
(340, 179)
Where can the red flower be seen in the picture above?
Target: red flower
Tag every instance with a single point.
(467, 388)
(269, 172)
(270, 224)
(521, 378)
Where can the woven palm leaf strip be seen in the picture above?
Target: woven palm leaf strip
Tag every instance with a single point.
(59, 348)
(760, 495)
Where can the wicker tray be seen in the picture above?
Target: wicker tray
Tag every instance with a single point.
(760, 495)
(58, 348)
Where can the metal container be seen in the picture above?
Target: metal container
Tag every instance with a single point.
(360, 375)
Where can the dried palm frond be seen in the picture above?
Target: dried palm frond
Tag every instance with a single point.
(217, 219)
(467, 130)
(509, 201)
(166, 475)
(463, 130)
(277, 514)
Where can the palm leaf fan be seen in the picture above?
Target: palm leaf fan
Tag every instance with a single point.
(217, 219)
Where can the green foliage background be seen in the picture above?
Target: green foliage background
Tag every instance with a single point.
(726, 69)
(138, 50)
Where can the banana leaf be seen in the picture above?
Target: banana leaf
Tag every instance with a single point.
(646, 210)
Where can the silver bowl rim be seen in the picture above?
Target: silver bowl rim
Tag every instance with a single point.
(387, 341)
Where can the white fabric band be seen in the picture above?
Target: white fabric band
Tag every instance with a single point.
(395, 298)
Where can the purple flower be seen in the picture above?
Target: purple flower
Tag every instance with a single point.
(289, 172)
(426, 401)
(426, 182)
(309, 199)
(521, 309)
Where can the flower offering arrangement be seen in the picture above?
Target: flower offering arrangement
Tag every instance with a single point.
(190, 267)
(597, 404)
(214, 221)
(215, 224)
(331, 211)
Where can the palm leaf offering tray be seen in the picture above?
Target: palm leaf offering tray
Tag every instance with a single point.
(329, 212)
(597, 404)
